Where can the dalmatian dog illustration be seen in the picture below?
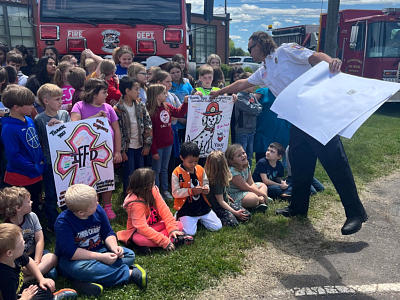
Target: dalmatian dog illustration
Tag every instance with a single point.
(211, 117)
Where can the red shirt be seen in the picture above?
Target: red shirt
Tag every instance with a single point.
(161, 120)
(113, 91)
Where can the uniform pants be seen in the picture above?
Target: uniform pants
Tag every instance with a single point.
(303, 154)
(210, 221)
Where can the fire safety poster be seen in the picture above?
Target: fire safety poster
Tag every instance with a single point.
(81, 152)
(208, 123)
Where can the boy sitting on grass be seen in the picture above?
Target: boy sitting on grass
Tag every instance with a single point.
(87, 246)
(270, 171)
(12, 260)
(189, 185)
(16, 208)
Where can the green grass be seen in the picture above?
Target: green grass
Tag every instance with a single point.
(373, 152)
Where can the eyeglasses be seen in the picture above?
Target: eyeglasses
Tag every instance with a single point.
(249, 49)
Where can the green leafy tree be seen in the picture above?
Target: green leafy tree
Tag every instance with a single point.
(233, 51)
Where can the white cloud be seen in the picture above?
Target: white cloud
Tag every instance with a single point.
(276, 24)
(243, 29)
(364, 2)
(235, 37)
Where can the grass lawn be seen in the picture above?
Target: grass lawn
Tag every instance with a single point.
(373, 152)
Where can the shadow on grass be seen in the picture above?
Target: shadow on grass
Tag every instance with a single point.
(391, 109)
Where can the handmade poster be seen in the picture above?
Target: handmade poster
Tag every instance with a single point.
(81, 152)
(323, 104)
(208, 123)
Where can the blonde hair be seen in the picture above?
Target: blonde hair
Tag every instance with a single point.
(79, 197)
(59, 77)
(48, 90)
(230, 154)
(107, 67)
(9, 234)
(217, 169)
(10, 199)
(134, 68)
(152, 92)
(213, 56)
(206, 69)
(90, 65)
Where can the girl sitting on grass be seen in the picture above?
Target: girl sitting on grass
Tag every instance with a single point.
(218, 174)
(150, 222)
(242, 188)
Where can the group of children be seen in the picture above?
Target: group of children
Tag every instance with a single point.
(141, 118)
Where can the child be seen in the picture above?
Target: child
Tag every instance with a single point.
(107, 72)
(135, 125)
(218, 78)
(161, 112)
(123, 57)
(15, 208)
(87, 247)
(15, 60)
(24, 155)
(181, 86)
(245, 115)
(76, 78)
(60, 79)
(270, 171)
(218, 174)
(49, 96)
(150, 222)
(189, 187)
(206, 75)
(242, 188)
(12, 260)
(138, 72)
(93, 106)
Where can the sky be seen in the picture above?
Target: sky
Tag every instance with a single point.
(249, 16)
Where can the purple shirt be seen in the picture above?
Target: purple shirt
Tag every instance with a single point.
(87, 110)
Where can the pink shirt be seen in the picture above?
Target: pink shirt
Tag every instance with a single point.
(68, 92)
(87, 110)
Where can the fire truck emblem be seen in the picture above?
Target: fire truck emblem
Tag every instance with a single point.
(110, 40)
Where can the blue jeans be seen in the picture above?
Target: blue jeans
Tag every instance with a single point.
(92, 270)
(135, 161)
(160, 167)
(274, 191)
(247, 141)
(50, 200)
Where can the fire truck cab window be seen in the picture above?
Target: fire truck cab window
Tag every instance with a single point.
(112, 11)
(383, 39)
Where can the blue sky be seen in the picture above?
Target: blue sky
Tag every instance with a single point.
(253, 15)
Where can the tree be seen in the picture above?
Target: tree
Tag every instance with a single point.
(235, 51)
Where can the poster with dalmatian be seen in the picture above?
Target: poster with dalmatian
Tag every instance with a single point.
(81, 152)
(208, 123)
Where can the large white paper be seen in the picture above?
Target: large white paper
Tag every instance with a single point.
(208, 123)
(323, 104)
(81, 152)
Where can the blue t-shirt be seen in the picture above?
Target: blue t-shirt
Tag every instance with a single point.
(73, 233)
(181, 90)
(121, 71)
(263, 167)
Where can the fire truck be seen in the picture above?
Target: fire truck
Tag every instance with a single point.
(368, 43)
(305, 35)
(150, 27)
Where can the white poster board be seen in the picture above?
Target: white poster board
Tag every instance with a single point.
(323, 104)
(81, 152)
(208, 123)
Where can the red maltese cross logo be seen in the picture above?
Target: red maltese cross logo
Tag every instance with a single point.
(84, 158)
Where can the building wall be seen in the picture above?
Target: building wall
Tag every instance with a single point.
(210, 38)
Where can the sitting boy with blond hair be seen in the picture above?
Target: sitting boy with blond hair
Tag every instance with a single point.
(12, 261)
(87, 246)
(16, 208)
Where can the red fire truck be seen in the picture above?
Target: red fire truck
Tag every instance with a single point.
(368, 43)
(305, 35)
(150, 27)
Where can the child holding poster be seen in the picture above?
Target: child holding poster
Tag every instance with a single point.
(161, 113)
(93, 105)
(50, 97)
